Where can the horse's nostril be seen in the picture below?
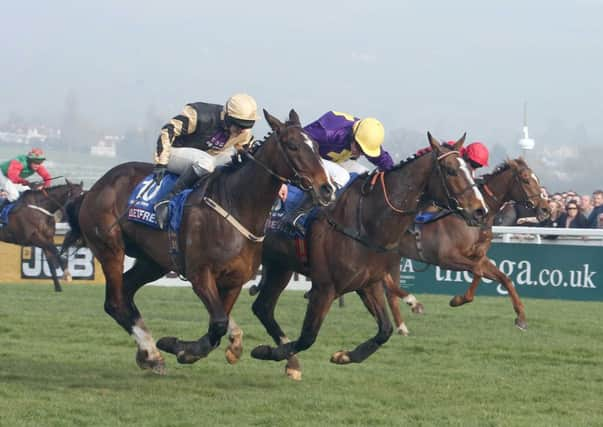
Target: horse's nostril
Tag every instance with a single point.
(326, 191)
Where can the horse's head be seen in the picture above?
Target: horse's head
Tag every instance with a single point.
(526, 189)
(452, 185)
(300, 162)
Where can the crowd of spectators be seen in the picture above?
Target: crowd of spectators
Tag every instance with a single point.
(568, 210)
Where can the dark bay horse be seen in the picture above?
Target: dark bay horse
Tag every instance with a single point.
(451, 244)
(32, 223)
(352, 246)
(217, 258)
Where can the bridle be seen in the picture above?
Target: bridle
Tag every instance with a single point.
(453, 203)
(302, 181)
(528, 198)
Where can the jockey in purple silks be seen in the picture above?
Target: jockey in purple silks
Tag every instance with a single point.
(343, 138)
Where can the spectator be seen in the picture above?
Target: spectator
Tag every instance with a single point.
(595, 219)
(586, 205)
(572, 217)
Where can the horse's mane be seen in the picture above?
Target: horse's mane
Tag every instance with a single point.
(51, 188)
(504, 166)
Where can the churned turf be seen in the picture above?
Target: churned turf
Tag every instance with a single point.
(64, 362)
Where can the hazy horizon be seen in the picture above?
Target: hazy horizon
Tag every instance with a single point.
(448, 67)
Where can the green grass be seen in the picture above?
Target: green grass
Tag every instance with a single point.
(63, 361)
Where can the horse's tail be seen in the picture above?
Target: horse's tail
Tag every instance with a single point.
(74, 235)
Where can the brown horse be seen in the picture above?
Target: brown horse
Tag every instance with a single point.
(32, 223)
(354, 245)
(216, 253)
(451, 244)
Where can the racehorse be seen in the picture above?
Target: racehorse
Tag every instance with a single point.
(449, 243)
(352, 246)
(31, 223)
(216, 254)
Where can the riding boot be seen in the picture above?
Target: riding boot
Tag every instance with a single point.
(185, 180)
(297, 217)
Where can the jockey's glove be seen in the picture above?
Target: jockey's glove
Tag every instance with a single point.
(159, 172)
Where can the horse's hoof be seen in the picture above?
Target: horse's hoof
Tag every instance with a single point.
(456, 301)
(294, 374)
(67, 277)
(262, 352)
(233, 355)
(185, 358)
(521, 324)
(341, 358)
(253, 290)
(418, 308)
(169, 344)
(403, 330)
(157, 366)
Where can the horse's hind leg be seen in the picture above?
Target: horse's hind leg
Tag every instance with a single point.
(373, 298)
(273, 283)
(54, 262)
(119, 304)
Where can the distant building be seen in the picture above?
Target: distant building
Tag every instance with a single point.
(106, 146)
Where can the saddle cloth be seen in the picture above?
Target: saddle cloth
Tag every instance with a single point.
(147, 193)
(5, 212)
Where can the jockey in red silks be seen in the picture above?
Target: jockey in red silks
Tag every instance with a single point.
(15, 171)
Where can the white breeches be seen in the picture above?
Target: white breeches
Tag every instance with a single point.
(340, 172)
(10, 187)
(183, 157)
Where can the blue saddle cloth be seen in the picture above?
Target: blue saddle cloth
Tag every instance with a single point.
(5, 212)
(425, 217)
(295, 197)
(147, 193)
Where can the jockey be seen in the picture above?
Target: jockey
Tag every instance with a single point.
(13, 172)
(343, 138)
(200, 138)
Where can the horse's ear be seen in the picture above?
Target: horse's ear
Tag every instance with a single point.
(273, 121)
(294, 118)
(82, 183)
(435, 144)
(460, 142)
(67, 181)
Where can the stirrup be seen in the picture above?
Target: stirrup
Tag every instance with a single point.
(298, 223)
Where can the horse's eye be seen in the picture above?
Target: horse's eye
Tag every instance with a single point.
(290, 146)
(451, 172)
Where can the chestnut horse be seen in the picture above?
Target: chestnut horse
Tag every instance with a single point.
(354, 245)
(31, 223)
(451, 244)
(217, 258)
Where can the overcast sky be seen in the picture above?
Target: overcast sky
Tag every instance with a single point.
(450, 65)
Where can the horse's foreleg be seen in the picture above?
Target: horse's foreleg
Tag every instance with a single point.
(274, 281)
(319, 304)
(469, 294)
(493, 273)
(204, 285)
(235, 333)
(373, 298)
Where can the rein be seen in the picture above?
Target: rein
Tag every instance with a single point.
(301, 181)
